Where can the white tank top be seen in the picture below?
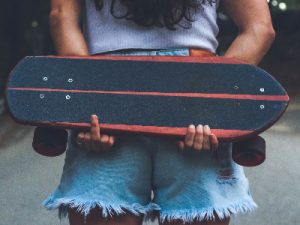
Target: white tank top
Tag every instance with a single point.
(105, 33)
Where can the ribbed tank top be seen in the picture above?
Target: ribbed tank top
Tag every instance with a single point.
(105, 33)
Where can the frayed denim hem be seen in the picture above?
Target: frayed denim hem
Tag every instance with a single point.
(210, 213)
(108, 210)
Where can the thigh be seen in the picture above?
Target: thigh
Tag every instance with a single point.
(95, 218)
(115, 180)
(196, 186)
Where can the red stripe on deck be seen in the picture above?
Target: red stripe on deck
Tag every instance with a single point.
(190, 95)
(222, 134)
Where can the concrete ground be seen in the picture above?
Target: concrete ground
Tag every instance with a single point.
(26, 178)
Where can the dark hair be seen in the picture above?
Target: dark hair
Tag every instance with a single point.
(162, 13)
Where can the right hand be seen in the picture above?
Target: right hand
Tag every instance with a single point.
(94, 140)
(199, 138)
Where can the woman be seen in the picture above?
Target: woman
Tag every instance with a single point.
(107, 179)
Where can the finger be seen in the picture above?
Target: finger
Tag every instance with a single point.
(180, 144)
(206, 134)
(189, 137)
(104, 141)
(95, 134)
(95, 128)
(80, 139)
(214, 142)
(111, 141)
(198, 141)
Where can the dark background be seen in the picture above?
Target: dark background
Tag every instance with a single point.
(26, 178)
(24, 31)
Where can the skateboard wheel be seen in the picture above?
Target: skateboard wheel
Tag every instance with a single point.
(251, 152)
(49, 141)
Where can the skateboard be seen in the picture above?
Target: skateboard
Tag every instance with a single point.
(146, 95)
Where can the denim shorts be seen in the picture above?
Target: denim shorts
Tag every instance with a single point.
(142, 174)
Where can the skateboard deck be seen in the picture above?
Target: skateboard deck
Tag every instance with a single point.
(146, 95)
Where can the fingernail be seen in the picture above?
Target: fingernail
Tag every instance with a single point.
(206, 127)
(199, 127)
(191, 128)
(93, 117)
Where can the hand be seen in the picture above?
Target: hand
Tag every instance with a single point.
(94, 140)
(199, 138)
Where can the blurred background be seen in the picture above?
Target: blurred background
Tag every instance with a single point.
(27, 178)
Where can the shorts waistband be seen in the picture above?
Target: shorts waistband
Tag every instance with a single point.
(162, 52)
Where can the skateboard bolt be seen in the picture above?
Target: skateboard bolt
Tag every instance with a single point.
(42, 96)
(68, 97)
(262, 106)
(262, 90)
(70, 80)
(236, 87)
(45, 78)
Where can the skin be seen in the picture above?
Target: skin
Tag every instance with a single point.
(256, 34)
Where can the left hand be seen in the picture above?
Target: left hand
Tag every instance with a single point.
(199, 138)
